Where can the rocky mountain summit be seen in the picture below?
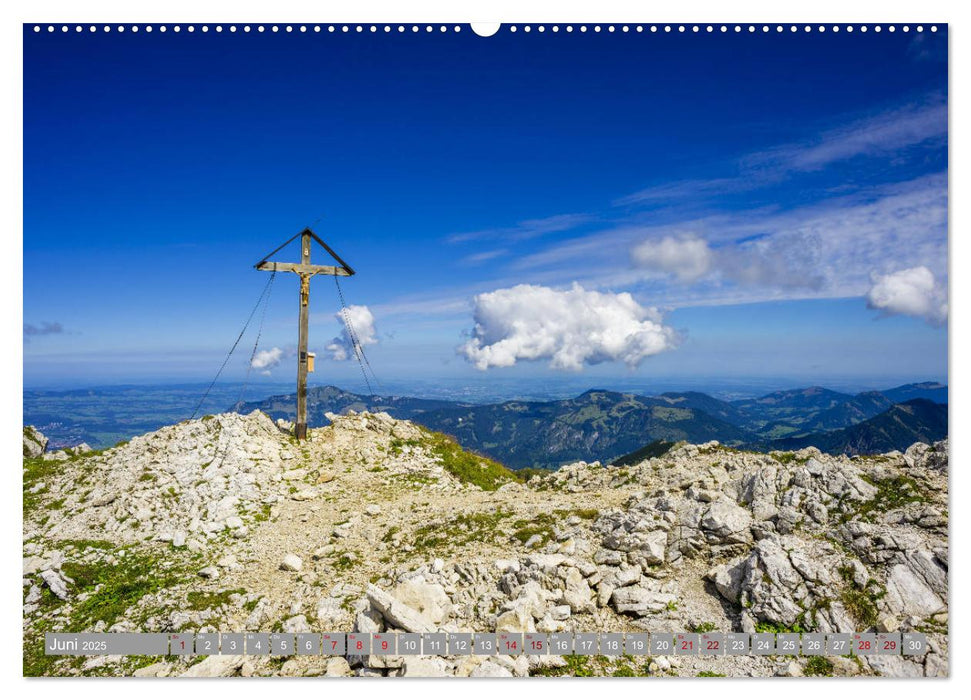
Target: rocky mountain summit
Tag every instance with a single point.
(226, 524)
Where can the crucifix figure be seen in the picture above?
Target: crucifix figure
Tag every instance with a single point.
(306, 271)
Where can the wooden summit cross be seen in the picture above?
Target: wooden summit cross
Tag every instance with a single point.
(306, 271)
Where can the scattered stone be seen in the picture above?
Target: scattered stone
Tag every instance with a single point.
(640, 601)
(55, 582)
(888, 623)
(291, 562)
(324, 552)
(702, 535)
(397, 613)
(337, 666)
(215, 666)
(423, 667)
(489, 669)
(156, 670)
(428, 599)
(33, 565)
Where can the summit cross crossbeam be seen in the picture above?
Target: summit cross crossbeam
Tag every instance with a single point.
(306, 271)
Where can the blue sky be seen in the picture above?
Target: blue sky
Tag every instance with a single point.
(537, 206)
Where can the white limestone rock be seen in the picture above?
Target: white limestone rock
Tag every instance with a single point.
(291, 562)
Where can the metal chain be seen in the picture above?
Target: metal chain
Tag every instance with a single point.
(355, 339)
(233, 349)
(359, 354)
(259, 333)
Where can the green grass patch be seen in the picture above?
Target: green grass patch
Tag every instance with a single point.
(818, 666)
(397, 445)
(778, 628)
(541, 525)
(263, 514)
(861, 601)
(895, 492)
(788, 458)
(576, 667)
(582, 513)
(527, 473)
(115, 588)
(87, 544)
(37, 469)
(468, 467)
(84, 455)
(200, 600)
(112, 590)
(726, 449)
(415, 481)
(342, 561)
(35, 661)
(460, 530)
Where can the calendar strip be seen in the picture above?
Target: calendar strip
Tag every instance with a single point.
(487, 644)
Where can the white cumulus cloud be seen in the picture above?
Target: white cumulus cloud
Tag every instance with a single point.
(266, 360)
(571, 328)
(361, 322)
(912, 292)
(688, 258)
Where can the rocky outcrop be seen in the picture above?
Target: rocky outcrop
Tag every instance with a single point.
(366, 527)
(923, 456)
(35, 443)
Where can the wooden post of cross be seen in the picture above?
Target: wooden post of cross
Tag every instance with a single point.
(305, 270)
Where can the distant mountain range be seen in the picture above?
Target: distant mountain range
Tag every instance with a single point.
(603, 425)
(903, 424)
(331, 399)
(594, 425)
